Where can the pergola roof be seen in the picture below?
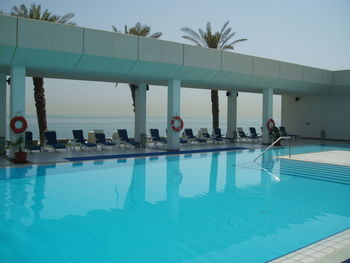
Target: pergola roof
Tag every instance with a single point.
(70, 52)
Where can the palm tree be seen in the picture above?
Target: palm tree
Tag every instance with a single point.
(34, 12)
(138, 30)
(218, 40)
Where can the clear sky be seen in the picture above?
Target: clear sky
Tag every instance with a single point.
(314, 33)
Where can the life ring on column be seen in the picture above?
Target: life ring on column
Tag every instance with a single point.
(23, 127)
(174, 123)
(270, 124)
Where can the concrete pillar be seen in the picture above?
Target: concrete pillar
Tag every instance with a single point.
(267, 113)
(3, 123)
(17, 95)
(173, 110)
(231, 113)
(140, 111)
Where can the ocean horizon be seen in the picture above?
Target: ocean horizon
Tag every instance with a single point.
(64, 124)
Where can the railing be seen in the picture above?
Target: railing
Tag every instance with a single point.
(268, 148)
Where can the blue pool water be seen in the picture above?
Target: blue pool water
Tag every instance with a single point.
(208, 207)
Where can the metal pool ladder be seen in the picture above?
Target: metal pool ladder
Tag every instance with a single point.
(268, 148)
(272, 144)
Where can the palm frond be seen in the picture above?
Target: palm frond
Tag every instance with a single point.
(206, 38)
(156, 35)
(65, 19)
(115, 29)
(34, 12)
(192, 36)
(227, 38)
(224, 27)
(193, 40)
(237, 41)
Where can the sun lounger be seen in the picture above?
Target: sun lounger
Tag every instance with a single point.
(78, 136)
(190, 137)
(204, 134)
(284, 133)
(156, 138)
(123, 135)
(101, 140)
(28, 136)
(253, 134)
(51, 141)
(217, 134)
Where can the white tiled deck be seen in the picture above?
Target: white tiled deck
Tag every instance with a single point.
(333, 249)
(327, 157)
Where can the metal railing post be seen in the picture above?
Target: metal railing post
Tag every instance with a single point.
(268, 148)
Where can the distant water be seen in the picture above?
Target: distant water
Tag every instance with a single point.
(64, 125)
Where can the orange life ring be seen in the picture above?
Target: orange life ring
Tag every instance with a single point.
(173, 122)
(270, 124)
(13, 124)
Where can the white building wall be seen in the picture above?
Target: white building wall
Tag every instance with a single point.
(311, 114)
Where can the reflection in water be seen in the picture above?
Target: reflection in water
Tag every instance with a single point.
(230, 172)
(137, 189)
(213, 172)
(173, 181)
(220, 226)
(39, 191)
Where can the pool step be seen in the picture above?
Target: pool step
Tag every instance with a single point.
(309, 170)
(314, 171)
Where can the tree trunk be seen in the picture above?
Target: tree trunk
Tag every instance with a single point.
(40, 104)
(215, 108)
(133, 88)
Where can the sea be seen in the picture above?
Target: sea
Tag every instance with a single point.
(63, 125)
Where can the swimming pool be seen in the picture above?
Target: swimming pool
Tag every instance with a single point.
(208, 207)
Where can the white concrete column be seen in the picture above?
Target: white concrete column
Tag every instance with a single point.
(173, 137)
(231, 113)
(140, 111)
(17, 95)
(3, 123)
(267, 113)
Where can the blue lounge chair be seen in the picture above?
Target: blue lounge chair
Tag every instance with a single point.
(28, 135)
(253, 134)
(190, 137)
(101, 140)
(204, 134)
(218, 135)
(123, 135)
(156, 138)
(79, 138)
(51, 141)
(284, 133)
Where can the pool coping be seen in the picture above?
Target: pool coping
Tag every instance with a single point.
(335, 248)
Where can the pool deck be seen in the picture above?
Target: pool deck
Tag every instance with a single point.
(69, 155)
(327, 157)
(335, 248)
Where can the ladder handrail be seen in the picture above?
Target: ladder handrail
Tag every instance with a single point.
(272, 144)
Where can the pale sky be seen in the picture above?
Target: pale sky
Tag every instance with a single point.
(314, 33)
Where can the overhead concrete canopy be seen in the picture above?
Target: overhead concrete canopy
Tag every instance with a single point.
(70, 52)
